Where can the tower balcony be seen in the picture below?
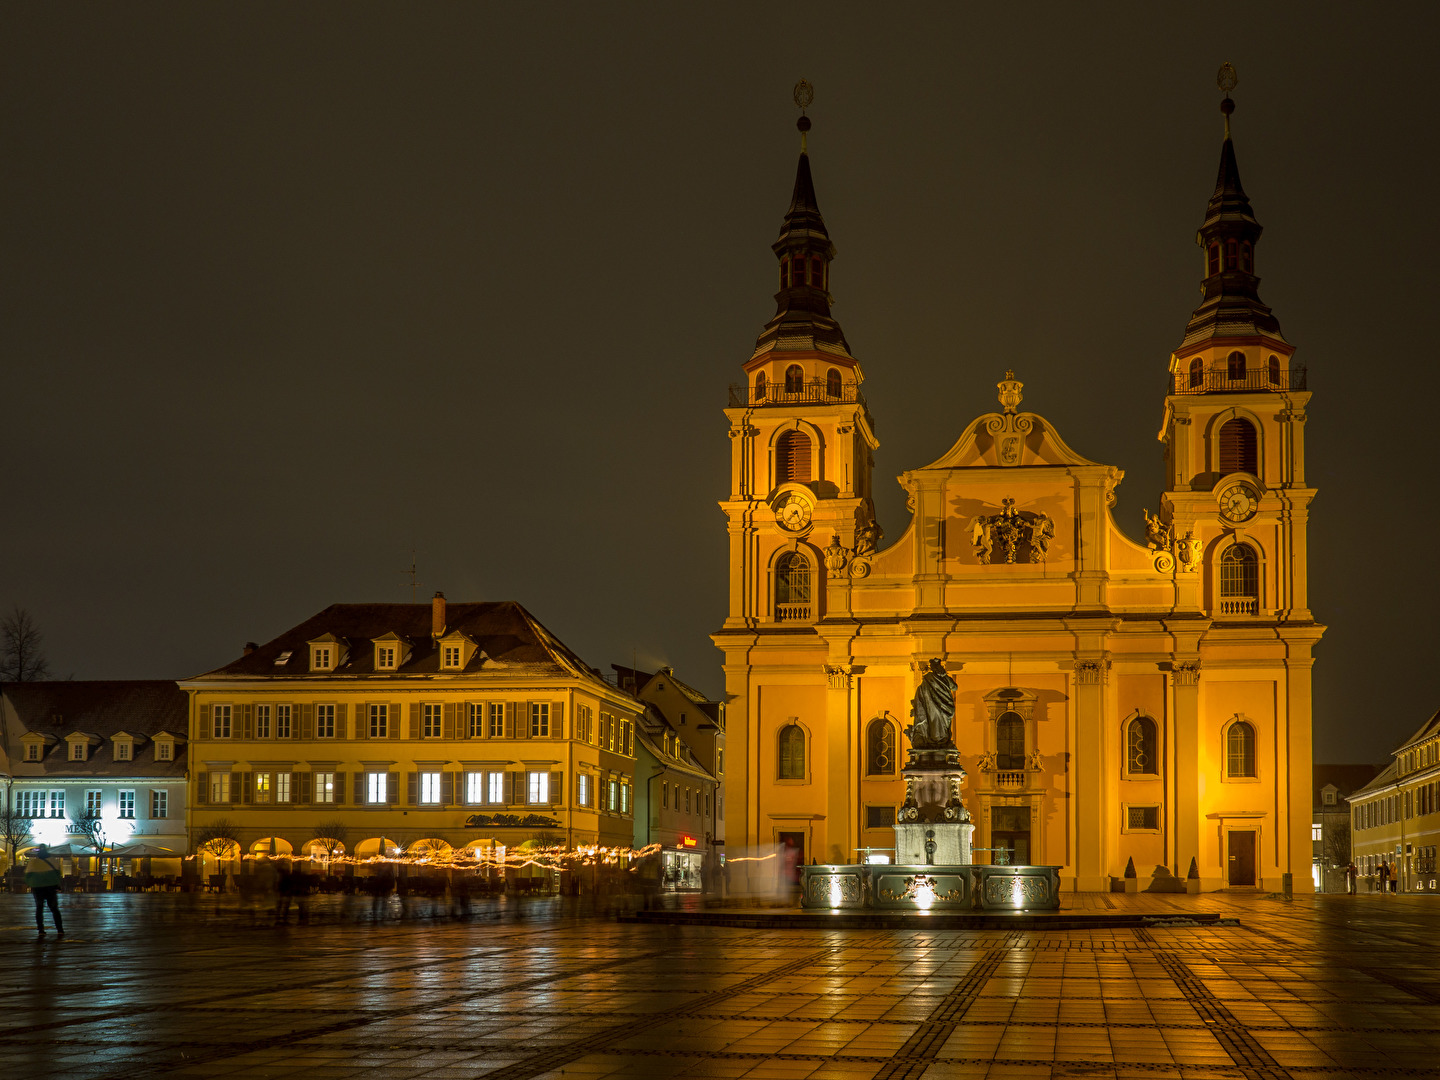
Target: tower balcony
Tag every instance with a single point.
(814, 392)
(1219, 379)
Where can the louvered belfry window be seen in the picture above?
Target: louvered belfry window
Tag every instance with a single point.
(792, 458)
(1238, 447)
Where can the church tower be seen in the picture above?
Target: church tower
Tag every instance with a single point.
(801, 436)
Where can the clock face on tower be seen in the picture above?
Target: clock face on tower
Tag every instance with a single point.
(793, 513)
(1238, 502)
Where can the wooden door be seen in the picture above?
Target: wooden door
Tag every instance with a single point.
(1242, 857)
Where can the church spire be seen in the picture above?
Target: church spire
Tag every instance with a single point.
(802, 321)
(1231, 305)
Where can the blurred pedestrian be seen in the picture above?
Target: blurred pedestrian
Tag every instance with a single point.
(43, 879)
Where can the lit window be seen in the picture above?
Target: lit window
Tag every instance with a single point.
(127, 804)
(283, 715)
(221, 726)
(159, 804)
(262, 787)
(262, 721)
(282, 787)
(539, 788)
(624, 798)
(1317, 831)
(57, 803)
(474, 787)
(430, 789)
(495, 788)
(375, 787)
(30, 804)
(379, 723)
(539, 720)
(582, 789)
(220, 787)
(719, 761)
(93, 801)
(614, 795)
(452, 656)
(324, 783)
(324, 721)
(122, 751)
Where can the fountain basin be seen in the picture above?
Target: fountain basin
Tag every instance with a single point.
(931, 888)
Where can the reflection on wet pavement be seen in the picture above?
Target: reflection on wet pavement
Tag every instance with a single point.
(176, 985)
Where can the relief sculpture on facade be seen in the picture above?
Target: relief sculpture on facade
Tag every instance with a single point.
(1012, 533)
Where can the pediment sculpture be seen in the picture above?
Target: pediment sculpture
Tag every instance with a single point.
(1012, 535)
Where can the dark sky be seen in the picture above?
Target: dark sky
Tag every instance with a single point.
(289, 290)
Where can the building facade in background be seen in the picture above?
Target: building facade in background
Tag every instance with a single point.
(1395, 818)
(1119, 698)
(405, 726)
(679, 761)
(1330, 827)
(110, 752)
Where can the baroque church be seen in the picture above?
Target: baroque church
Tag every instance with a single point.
(1118, 699)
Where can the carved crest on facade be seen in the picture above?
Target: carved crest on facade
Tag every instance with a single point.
(1012, 535)
(1171, 550)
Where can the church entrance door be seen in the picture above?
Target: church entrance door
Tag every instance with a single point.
(1010, 835)
(1242, 857)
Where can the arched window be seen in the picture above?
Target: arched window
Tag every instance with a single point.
(1238, 447)
(1197, 372)
(832, 383)
(794, 379)
(1142, 747)
(1247, 261)
(760, 387)
(1235, 365)
(1232, 254)
(1273, 367)
(1214, 259)
(880, 748)
(792, 458)
(1239, 581)
(1240, 750)
(792, 752)
(792, 587)
(1010, 742)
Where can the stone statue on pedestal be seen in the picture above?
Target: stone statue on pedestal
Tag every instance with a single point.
(933, 711)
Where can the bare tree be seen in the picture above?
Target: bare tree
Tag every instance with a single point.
(14, 828)
(91, 826)
(22, 658)
(329, 837)
(217, 838)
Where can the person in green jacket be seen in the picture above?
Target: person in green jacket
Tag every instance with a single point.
(43, 878)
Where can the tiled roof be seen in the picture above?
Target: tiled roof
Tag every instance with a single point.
(143, 708)
(1425, 731)
(1385, 778)
(1346, 778)
(508, 637)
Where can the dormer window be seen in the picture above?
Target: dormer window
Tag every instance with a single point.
(384, 657)
(77, 751)
(122, 751)
(163, 751)
(284, 658)
(32, 752)
(450, 660)
(322, 658)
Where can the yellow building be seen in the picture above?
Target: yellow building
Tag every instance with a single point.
(1395, 819)
(1117, 698)
(408, 724)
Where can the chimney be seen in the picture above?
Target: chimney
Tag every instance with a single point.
(437, 616)
(250, 647)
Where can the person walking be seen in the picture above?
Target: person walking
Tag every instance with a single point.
(1351, 874)
(1384, 875)
(43, 879)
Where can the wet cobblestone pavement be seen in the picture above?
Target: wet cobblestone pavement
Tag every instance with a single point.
(170, 985)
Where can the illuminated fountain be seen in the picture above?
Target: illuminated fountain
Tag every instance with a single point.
(933, 869)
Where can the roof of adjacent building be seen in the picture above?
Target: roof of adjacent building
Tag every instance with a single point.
(1383, 779)
(1345, 778)
(103, 709)
(1425, 730)
(509, 640)
(651, 731)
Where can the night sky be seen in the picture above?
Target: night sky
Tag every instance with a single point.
(289, 290)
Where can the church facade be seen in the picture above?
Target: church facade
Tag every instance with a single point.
(1117, 699)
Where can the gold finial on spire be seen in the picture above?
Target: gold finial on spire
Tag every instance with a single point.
(1010, 388)
(1227, 80)
(804, 96)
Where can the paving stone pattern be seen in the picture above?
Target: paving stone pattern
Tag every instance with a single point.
(167, 985)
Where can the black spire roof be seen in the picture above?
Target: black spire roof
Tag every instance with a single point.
(802, 321)
(1231, 307)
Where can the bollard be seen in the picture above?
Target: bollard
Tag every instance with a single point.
(1287, 886)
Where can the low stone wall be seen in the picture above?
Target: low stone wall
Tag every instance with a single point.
(931, 888)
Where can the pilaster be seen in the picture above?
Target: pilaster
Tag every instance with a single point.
(1091, 871)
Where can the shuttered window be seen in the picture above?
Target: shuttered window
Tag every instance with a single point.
(1238, 447)
(792, 458)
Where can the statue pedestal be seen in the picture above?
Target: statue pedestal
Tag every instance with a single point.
(951, 840)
